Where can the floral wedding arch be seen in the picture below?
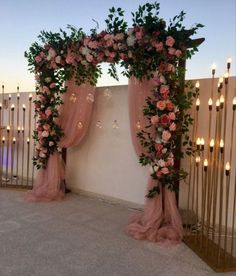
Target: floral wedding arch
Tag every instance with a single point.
(151, 55)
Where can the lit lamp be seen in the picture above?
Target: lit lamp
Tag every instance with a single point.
(210, 102)
(234, 103)
(197, 104)
(198, 142)
(12, 107)
(3, 139)
(227, 169)
(212, 144)
(217, 105)
(8, 129)
(226, 76)
(220, 84)
(14, 140)
(213, 69)
(229, 60)
(221, 146)
(197, 86)
(222, 100)
(205, 164)
(202, 142)
(30, 97)
(28, 140)
(198, 159)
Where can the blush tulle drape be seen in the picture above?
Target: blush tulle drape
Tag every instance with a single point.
(160, 221)
(75, 115)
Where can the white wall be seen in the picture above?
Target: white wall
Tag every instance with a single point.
(105, 163)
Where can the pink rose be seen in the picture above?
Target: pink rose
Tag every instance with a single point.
(124, 56)
(178, 53)
(89, 58)
(156, 80)
(112, 54)
(172, 127)
(165, 170)
(165, 91)
(172, 116)
(119, 36)
(51, 53)
(159, 173)
(58, 59)
(109, 43)
(52, 85)
(170, 68)
(38, 59)
(107, 37)
(170, 41)
(171, 51)
(42, 155)
(46, 89)
(37, 77)
(164, 120)
(42, 54)
(170, 106)
(44, 150)
(154, 119)
(48, 112)
(166, 135)
(93, 44)
(161, 105)
(46, 127)
(170, 162)
(159, 46)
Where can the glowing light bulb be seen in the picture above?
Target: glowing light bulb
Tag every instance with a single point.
(3, 139)
(234, 101)
(197, 85)
(90, 98)
(217, 103)
(221, 143)
(138, 125)
(18, 96)
(213, 66)
(198, 142)
(226, 75)
(23, 106)
(202, 141)
(12, 107)
(80, 125)
(14, 140)
(222, 99)
(9, 97)
(28, 140)
(229, 60)
(221, 79)
(99, 124)
(210, 102)
(212, 143)
(30, 96)
(197, 102)
(205, 163)
(198, 159)
(227, 166)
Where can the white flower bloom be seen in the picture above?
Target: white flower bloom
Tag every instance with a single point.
(51, 143)
(131, 40)
(42, 155)
(161, 163)
(86, 51)
(160, 129)
(162, 79)
(153, 169)
(48, 79)
(164, 150)
(176, 109)
(45, 133)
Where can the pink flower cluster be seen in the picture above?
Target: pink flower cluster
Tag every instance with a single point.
(165, 122)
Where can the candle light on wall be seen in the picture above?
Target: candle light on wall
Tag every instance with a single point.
(226, 77)
(198, 143)
(234, 103)
(221, 146)
(212, 144)
(202, 142)
(217, 105)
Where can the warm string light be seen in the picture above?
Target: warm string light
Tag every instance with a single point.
(12, 107)
(222, 100)
(18, 96)
(3, 139)
(198, 159)
(205, 164)
(9, 97)
(28, 140)
(226, 76)
(202, 142)
(8, 129)
(198, 143)
(14, 140)
(23, 107)
(18, 129)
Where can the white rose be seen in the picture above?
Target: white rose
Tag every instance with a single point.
(45, 133)
(131, 40)
(162, 79)
(48, 79)
(51, 143)
(164, 150)
(58, 59)
(161, 163)
(42, 155)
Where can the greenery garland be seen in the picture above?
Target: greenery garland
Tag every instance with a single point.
(149, 50)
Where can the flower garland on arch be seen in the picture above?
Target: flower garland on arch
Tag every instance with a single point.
(149, 50)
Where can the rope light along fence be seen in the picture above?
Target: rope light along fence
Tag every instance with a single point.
(212, 180)
(16, 144)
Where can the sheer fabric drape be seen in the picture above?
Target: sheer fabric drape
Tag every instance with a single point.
(160, 221)
(75, 116)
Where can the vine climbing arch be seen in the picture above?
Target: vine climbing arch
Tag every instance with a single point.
(152, 55)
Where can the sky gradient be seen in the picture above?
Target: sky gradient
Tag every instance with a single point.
(22, 20)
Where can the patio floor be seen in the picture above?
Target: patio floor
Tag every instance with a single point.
(82, 236)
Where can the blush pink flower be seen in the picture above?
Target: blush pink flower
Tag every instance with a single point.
(166, 135)
(178, 53)
(172, 127)
(45, 133)
(93, 44)
(161, 105)
(159, 46)
(170, 106)
(107, 37)
(37, 77)
(45, 89)
(159, 173)
(170, 162)
(58, 59)
(89, 58)
(154, 119)
(119, 36)
(48, 112)
(170, 41)
(52, 85)
(46, 126)
(171, 51)
(172, 116)
(165, 170)
(164, 120)
(38, 59)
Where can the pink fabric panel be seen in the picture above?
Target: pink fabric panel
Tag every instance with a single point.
(160, 221)
(138, 92)
(48, 184)
(76, 109)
